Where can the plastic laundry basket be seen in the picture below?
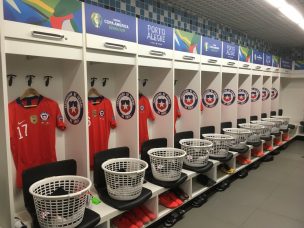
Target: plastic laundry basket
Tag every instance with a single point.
(197, 151)
(240, 135)
(60, 200)
(268, 126)
(277, 122)
(256, 129)
(124, 177)
(285, 120)
(221, 143)
(166, 163)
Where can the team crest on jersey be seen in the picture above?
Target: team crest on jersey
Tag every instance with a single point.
(189, 99)
(265, 94)
(125, 105)
(34, 119)
(274, 93)
(101, 113)
(94, 113)
(243, 96)
(210, 98)
(44, 116)
(162, 103)
(255, 94)
(228, 97)
(73, 107)
(142, 108)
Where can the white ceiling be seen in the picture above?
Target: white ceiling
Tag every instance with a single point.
(255, 17)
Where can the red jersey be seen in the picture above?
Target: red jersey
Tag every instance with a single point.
(177, 113)
(145, 113)
(202, 106)
(101, 120)
(32, 133)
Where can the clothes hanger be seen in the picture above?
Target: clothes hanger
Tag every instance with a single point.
(140, 94)
(30, 92)
(92, 92)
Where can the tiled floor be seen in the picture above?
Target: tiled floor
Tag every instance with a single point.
(270, 197)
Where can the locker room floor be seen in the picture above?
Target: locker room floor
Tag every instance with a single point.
(271, 196)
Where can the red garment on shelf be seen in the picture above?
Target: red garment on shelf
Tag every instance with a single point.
(177, 113)
(32, 133)
(101, 120)
(145, 113)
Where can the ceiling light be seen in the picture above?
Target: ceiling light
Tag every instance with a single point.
(292, 13)
(277, 3)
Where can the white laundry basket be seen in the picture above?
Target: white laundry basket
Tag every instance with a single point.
(221, 143)
(277, 122)
(124, 177)
(240, 135)
(285, 120)
(256, 129)
(268, 126)
(166, 163)
(197, 151)
(64, 210)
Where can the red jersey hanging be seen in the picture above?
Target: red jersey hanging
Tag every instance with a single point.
(32, 132)
(145, 113)
(101, 120)
(177, 113)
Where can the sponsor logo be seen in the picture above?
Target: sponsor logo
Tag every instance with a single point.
(243, 96)
(73, 107)
(274, 93)
(255, 94)
(210, 98)
(189, 99)
(96, 19)
(34, 119)
(125, 105)
(228, 97)
(265, 94)
(161, 103)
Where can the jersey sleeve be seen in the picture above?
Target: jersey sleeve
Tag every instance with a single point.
(12, 127)
(59, 119)
(202, 107)
(178, 113)
(150, 114)
(112, 119)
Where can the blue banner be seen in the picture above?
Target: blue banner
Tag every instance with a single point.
(155, 35)
(258, 57)
(299, 65)
(212, 47)
(230, 51)
(267, 59)
(102, 22)
(286, 64)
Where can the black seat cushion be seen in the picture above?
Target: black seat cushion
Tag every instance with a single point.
(203, 169)
(182, 135)
(302, 123)
(284, 130)
(228, 157)
(240, 121)
(276, 134)
(253, 118)
(255, 144)
(166, 184)
(266, 137)
(240, 150)
(225, 125)
(264, 115)
(291, 126)
(207, 130)
(273, 113)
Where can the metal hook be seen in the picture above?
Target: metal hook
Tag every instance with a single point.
(47, 80)
(145, 82)
(93, 81)
(30, 79)
(11, 78)
(104, 81)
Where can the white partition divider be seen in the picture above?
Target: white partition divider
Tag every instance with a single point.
(256, 94)
(118, 83)
(266, 94)
(229, 97)
(275, 93)
(243, 96)
(187, 90)
(156, 83)
(211, 87)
